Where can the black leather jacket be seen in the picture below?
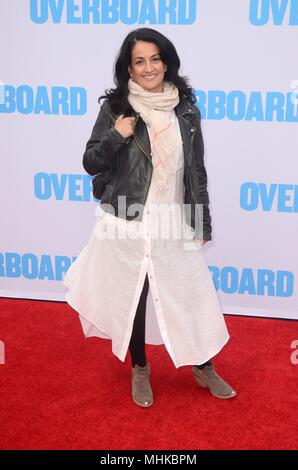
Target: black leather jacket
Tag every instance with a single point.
(130, 163)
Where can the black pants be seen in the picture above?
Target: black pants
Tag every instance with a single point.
(137, 340)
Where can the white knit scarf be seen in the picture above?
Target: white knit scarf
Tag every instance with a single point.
(155, 110)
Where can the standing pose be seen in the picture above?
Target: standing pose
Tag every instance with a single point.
(153, 219)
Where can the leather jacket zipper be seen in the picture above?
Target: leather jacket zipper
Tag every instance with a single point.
(147, 155)
(142, 148)
(139, 143)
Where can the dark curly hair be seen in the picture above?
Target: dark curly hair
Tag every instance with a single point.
(118, 96)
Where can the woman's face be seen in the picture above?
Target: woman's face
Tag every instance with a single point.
(147, 68)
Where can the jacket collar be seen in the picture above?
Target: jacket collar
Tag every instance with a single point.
(184, 107)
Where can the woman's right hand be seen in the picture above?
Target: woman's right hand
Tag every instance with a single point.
(125, 126)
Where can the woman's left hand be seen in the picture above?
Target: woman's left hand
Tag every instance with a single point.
(201, 242)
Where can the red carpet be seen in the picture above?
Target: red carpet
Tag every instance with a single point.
(61, 391)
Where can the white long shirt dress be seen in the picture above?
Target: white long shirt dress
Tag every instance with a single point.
(106, 279)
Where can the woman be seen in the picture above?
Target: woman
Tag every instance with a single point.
(147, 143)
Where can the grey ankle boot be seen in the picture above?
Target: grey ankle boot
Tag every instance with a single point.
(208, 378)
(141, 388)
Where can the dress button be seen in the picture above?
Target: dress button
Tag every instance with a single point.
(148, 212)
(147, 256)
(156, 300)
